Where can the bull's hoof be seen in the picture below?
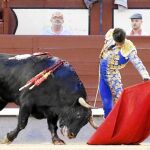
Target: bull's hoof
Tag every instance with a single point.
(5, 141)
(58, 142)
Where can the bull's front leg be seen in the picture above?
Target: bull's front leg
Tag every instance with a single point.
(52, 125)
(24, 114)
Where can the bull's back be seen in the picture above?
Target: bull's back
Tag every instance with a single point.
(16, 73)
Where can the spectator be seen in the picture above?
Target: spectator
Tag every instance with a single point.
(56, 28)
(136, 23)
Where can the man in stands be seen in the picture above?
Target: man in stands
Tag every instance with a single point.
(56, 28)
(136, 23)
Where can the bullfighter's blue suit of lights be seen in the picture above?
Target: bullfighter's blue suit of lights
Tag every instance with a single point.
(112, 59)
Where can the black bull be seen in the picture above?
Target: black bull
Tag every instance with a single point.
(61, 97)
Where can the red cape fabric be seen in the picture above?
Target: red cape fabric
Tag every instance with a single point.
(129, 121)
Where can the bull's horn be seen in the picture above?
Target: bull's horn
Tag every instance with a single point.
(92, 123)
(84, 103)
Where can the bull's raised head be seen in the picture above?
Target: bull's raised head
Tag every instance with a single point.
(74, 118)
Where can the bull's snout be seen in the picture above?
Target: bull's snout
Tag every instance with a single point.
(71, 135)
(65, 132)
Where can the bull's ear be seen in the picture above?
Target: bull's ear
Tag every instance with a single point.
(83, 103)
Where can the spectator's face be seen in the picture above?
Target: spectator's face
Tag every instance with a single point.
(57, 21)
(136, 23)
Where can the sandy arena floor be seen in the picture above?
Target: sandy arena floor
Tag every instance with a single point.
(36, 136)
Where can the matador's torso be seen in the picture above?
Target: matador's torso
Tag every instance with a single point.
(116, 58)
